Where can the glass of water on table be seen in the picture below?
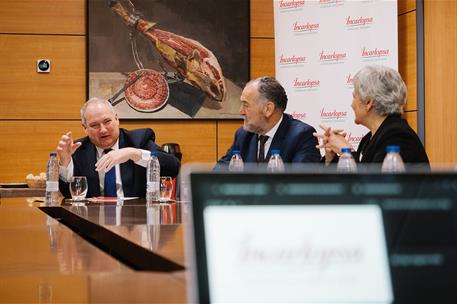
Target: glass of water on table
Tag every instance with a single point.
(78, 189)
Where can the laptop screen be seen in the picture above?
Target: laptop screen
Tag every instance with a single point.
(325, 238)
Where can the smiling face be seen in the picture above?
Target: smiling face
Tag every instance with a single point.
(252, 110)
(102, 125)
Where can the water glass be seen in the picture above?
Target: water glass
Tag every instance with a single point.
(166, 188)
(78, 188)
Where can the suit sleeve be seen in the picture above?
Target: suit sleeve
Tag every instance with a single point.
(306, 151)
(64, 189)
(169, 164)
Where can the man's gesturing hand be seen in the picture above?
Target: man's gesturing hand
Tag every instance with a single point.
(65, 148)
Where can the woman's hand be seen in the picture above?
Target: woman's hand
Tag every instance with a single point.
(332, 141)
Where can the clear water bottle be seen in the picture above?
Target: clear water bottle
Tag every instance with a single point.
(236, 162)
(346, 162)
(392, 162)
(52, 180)
(153, 179)
(275, 164)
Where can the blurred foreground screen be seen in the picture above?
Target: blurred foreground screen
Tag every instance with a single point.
(326, 238)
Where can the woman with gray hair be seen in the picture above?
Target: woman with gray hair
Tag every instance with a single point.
(377, 101)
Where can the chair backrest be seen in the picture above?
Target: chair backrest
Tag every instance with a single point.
(173, 148)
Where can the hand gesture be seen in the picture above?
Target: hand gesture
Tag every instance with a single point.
(107, 161)
(66, 147)
(332, 141)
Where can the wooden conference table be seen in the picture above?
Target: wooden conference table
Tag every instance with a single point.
(21, 192)
(42, 260)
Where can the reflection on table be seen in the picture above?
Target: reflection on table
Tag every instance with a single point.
(131, 212)
(43, 261)
(154, 227)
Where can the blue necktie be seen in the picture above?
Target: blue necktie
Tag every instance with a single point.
(110, 181)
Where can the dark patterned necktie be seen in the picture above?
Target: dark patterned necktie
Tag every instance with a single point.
(262, 140)
(109, 188)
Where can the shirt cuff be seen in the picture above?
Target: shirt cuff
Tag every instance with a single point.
(66, 173)
(145, 155)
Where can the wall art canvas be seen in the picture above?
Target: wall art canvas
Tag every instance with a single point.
(169, 59)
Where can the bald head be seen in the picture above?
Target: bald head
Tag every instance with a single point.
(95, 101)
(100, 122)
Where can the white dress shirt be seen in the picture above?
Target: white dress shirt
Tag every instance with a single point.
(270, 135)
(66, 173)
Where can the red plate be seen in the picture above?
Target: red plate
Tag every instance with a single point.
(149, 93)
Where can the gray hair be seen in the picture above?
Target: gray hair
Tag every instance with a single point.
(94, 100)
(384, 86)
(270, 89)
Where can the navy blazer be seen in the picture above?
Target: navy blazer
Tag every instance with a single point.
(133, 176)
(293, 138)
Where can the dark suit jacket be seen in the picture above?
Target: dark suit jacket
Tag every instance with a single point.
(133, 176)
(293, 138)
(393, 131)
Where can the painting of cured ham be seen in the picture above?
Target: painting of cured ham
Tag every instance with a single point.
(169, 59)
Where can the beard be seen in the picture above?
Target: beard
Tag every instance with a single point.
(248, 127)
(254, 128)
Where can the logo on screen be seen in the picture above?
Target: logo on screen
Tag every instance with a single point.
(333, 115)
(306, 85)
(298, 115)
(302, 252)
(349, 81)
(358, 22)
(354, 139)
(374, 54)
(291, 60)
(285, 5)
(305, 28)
(332, 57)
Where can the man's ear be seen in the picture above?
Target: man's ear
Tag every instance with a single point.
(84, 128)
(268, 109)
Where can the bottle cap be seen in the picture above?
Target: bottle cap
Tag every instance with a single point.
(52, 154)
(153, 153)
(274, 152)
(393, 149)
(346, 150)
(236, 152)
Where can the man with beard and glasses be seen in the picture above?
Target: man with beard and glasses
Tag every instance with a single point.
(266, 127)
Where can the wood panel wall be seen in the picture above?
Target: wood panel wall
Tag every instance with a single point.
(407, 56)
(35, 109)
(440, 35)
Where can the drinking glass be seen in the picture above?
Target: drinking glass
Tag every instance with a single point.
(78, 188)
(166, 188)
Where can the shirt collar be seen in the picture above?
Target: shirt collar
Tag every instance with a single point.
(273, 130)
(100, 150)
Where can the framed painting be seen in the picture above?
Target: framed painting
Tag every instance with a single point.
(169, 59)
